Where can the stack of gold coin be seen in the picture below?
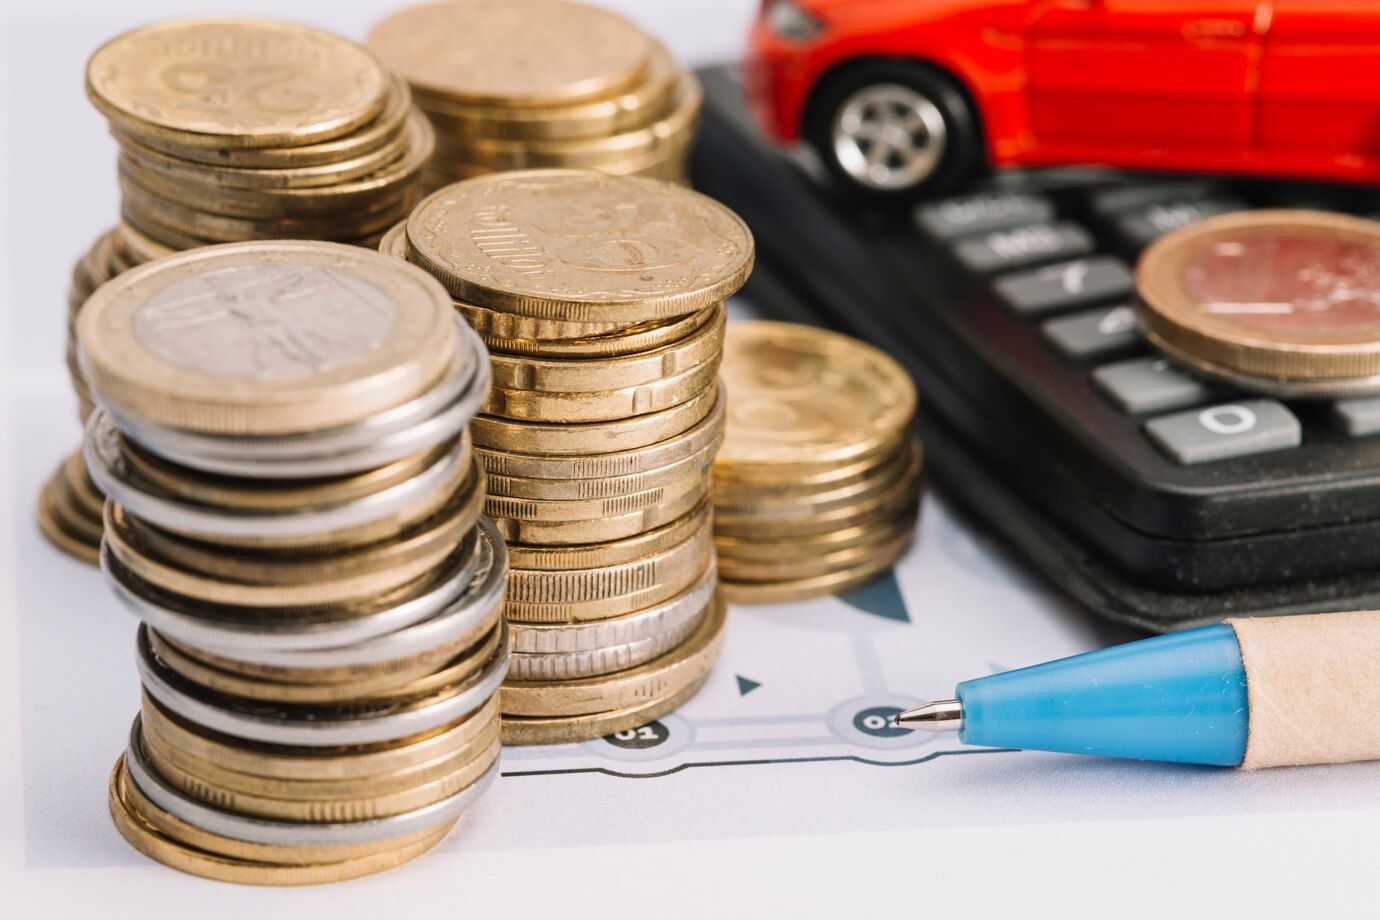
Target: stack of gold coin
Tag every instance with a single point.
(239, 129)
(601, 299)
(817, 486)
(294, 515)
(541, 84)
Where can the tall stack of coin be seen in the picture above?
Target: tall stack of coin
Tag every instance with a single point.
(542, 83)
(601, 300)
(816, 488)
(295, 516)
(239, 129)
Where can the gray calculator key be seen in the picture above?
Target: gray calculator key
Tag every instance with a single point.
(1082, 282)
(1022, 247)
(1357, 417)
(1094, 334)
(1118, 199)
(1226, 431)
(954, 217)
(1145, 386)
(1139, 228)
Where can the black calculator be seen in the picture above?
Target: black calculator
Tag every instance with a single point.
(1152, 496)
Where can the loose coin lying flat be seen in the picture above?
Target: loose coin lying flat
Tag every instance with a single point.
(1282, 302)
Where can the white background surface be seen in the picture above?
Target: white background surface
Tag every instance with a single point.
(997, 835)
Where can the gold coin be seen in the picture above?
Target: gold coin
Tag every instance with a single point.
(366, 805)
(605, 405)
(267, 495)
(819, 505)
(610, 553)
(140, 247)
(658, 678)
(626, 341)
(579, 595)
(612, 465)
(806, 399)
(88, 499)
(59, 531)
(1272, 294)
(317, 765)
(235, 83)
(169, 220)
(816, 586)
(287, 337)
(672, 130)
(217, 775)
(381, 131)
(564, 244)
(808, 565)
(415, 675)
(273, 579)
(580, 375)
(379, 796)
(668, 162)
(744, 483)
(672, 503)
(696, 464)
(498, 53)
(638, 105)
(788, 548)
(347, 200)
(892, 496)
(518, 731)
(555, 440)
(144, 835)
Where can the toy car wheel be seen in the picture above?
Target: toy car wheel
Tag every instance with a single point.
(894, 130)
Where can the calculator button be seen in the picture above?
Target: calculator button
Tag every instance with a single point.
(1118, 199)
(954, 217)
(1083, 282)
(1357, 417)
(1139, 228)
(1094, 334)
(1022, 247)
(1144, 386)
(1226, 431)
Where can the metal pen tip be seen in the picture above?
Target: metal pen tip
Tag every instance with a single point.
(938, 716)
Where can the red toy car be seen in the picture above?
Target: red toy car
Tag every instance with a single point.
(908, 97)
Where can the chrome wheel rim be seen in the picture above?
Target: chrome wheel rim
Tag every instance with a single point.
(889, 137)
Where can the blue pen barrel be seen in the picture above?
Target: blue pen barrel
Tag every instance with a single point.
(1180, 697)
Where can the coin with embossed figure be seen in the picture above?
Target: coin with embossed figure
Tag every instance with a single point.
(266, 337)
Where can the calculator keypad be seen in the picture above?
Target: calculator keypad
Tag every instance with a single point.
(1045, 267)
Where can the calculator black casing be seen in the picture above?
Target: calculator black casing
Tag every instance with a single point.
(1019, 437)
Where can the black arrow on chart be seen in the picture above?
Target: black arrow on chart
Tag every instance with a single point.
(746, 686)
(880, 597)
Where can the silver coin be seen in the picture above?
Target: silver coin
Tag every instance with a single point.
(471, 613)
(290, 833)
(238, 633)
(315, 726)
(430, 419)
(664, 618)
(119, 480)
(599, 661)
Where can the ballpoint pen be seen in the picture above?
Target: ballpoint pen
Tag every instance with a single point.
(1247, 692)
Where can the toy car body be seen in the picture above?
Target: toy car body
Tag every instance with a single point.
(904, 97)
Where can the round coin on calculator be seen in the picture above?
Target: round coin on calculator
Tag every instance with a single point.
(1283, 302)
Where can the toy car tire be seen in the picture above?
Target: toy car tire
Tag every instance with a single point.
(894, 130)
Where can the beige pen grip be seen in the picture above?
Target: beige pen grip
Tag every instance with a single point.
(1313, 684)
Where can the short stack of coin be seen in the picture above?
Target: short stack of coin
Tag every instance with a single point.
(241, 129)
(295, 517)
(601, 299)
(816, 488)
(541, 84)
